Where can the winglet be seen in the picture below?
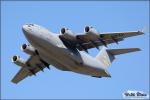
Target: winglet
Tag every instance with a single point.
(142, 31)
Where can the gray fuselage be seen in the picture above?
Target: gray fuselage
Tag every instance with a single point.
(52, 50)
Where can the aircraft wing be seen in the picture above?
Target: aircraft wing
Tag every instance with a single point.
(87, 41)
(23, 73)
(33, 65)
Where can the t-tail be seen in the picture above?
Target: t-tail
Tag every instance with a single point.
(106, 56)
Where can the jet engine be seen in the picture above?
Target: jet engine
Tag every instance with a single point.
(68, 34)
(91, 30)
(28, 49)
(18, 61)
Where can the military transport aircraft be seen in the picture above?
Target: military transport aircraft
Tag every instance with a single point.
(68, 51)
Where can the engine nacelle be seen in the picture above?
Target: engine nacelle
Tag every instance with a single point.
(18, 61)
(91, 30)
(68, 34)
(28, 49)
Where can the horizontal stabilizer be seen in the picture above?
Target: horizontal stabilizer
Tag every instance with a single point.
(106, 56)
(122, 51)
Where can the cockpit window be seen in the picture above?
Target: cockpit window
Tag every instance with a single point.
(29, 25)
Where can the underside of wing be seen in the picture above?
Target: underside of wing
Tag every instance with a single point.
(30, 67)
(95, 43)
(121, 34)
(88, 41)
(91, 39)
(23, 73)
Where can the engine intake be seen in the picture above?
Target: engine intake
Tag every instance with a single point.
(91, 30)
(87, 28)
(63, 30)
(28, 49)
(68, 34)
(18, 61)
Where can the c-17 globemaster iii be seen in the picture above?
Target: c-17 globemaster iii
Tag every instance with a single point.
(68, 51)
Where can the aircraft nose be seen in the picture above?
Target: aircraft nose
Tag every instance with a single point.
(28, 27)
(27, 30)
(24, 28)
